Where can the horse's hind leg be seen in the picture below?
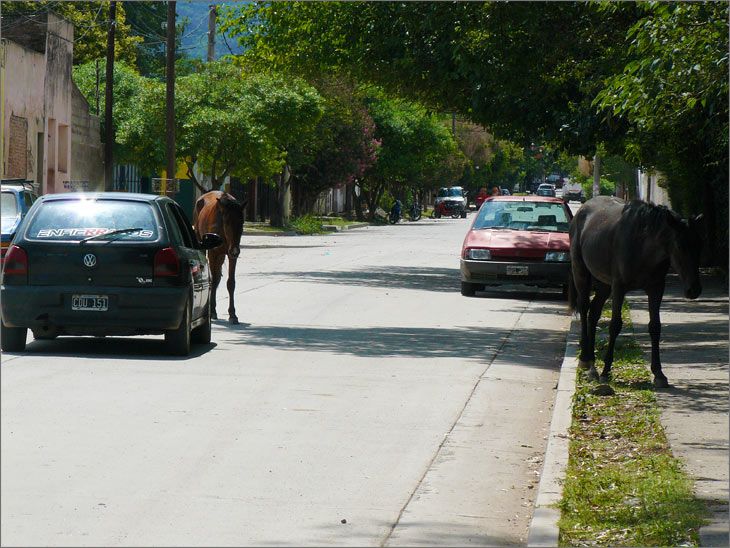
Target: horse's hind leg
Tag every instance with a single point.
(655, 295)
(231, 284)
(617, 301)
(594, 314)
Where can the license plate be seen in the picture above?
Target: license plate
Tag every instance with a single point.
(91, 303)
(517, 271)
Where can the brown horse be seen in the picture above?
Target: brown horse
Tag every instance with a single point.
(219, 212)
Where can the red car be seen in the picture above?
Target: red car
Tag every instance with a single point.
(518, 240)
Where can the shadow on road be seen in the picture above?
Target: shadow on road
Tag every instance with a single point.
(110, 348)
(465, 343)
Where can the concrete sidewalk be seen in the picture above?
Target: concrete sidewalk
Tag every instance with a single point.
(694, 353)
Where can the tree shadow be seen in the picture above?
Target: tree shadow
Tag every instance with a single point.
(465, 343)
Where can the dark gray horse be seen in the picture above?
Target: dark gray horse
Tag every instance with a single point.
(617, 247)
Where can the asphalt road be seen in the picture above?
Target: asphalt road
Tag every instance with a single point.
(362, 401)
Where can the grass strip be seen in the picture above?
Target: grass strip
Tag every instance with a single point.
(623, 487)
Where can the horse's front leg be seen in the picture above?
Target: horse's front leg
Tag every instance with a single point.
(655, 295)
(231, 284)
(215, 261)
(614, 328)
(594, 314)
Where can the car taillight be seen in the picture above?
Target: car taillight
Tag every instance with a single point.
(16, 262)
(167, 262)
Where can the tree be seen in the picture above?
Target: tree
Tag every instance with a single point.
(128, 87)
(417, 151)
(344, 147)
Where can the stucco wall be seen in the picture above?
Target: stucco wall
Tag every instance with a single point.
(648, 189)
(24, 98)
(87, 151)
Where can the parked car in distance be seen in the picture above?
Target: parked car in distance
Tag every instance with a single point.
(545, 189)
(450, 201)
(518, 240)
(573, 192)
(16, 198)
(106, 264)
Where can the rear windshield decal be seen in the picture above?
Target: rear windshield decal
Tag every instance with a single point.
(86, 232)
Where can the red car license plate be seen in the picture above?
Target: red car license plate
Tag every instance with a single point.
(517, 271)
(90, 303)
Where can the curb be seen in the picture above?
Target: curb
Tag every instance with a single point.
(338, 228)
(544, 529)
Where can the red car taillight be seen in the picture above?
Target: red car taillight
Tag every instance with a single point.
(167, 263)
(16, 262)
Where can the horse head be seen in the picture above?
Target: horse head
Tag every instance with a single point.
(684, 252)
(232, 213)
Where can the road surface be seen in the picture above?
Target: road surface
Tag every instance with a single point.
(362, 401)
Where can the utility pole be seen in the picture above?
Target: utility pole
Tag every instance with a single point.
(211, 32)
(170, 78)
(109, 100)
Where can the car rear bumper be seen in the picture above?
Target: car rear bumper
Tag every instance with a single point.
(130, 311)
(496, 272)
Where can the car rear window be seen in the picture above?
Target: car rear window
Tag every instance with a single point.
(78, 219)
(8, 204)
(522, 215)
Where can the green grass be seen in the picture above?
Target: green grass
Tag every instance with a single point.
(306, 224)
(623, 487)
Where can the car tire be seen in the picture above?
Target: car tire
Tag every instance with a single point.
(468, 289)
(463, 214)
(202, 334)
(178, 340)
(12, 339)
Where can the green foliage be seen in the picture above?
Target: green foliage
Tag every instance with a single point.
(128, 89)
(306, 224)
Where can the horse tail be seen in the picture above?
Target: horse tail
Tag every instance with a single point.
(572, 293)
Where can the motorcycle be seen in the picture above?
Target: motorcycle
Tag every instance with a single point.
(414, 211)
(395, 212)
(448, 208)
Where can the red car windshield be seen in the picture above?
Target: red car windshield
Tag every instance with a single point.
(519, 215)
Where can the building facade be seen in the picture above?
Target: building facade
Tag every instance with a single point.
(49, 136)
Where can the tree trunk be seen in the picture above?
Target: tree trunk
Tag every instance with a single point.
(282, 214)
(596, 175)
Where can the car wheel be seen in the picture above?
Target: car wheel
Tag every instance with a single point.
(468, 289)
(564, 292)
(463, 214)
(203, 332)
(12, 339)
(178, 340)
(49, 335)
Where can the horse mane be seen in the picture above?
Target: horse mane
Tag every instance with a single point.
(651, 217)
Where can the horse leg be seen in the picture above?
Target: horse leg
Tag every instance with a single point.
(582, 287)
(655, 295)
(594, 314)
(617, 301)
(231, 284)
(216, 268)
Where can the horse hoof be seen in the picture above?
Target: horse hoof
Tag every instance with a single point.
(233, 320)
(592, 374)
(661, 382)
(585, 365)
(213, 316)
(604, 379)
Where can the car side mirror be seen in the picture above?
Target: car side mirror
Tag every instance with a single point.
(211, 240)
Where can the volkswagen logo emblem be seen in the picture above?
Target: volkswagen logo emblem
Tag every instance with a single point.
(90, 260)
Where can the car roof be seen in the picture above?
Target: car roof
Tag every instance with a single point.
(530, 198)
(126, 196)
